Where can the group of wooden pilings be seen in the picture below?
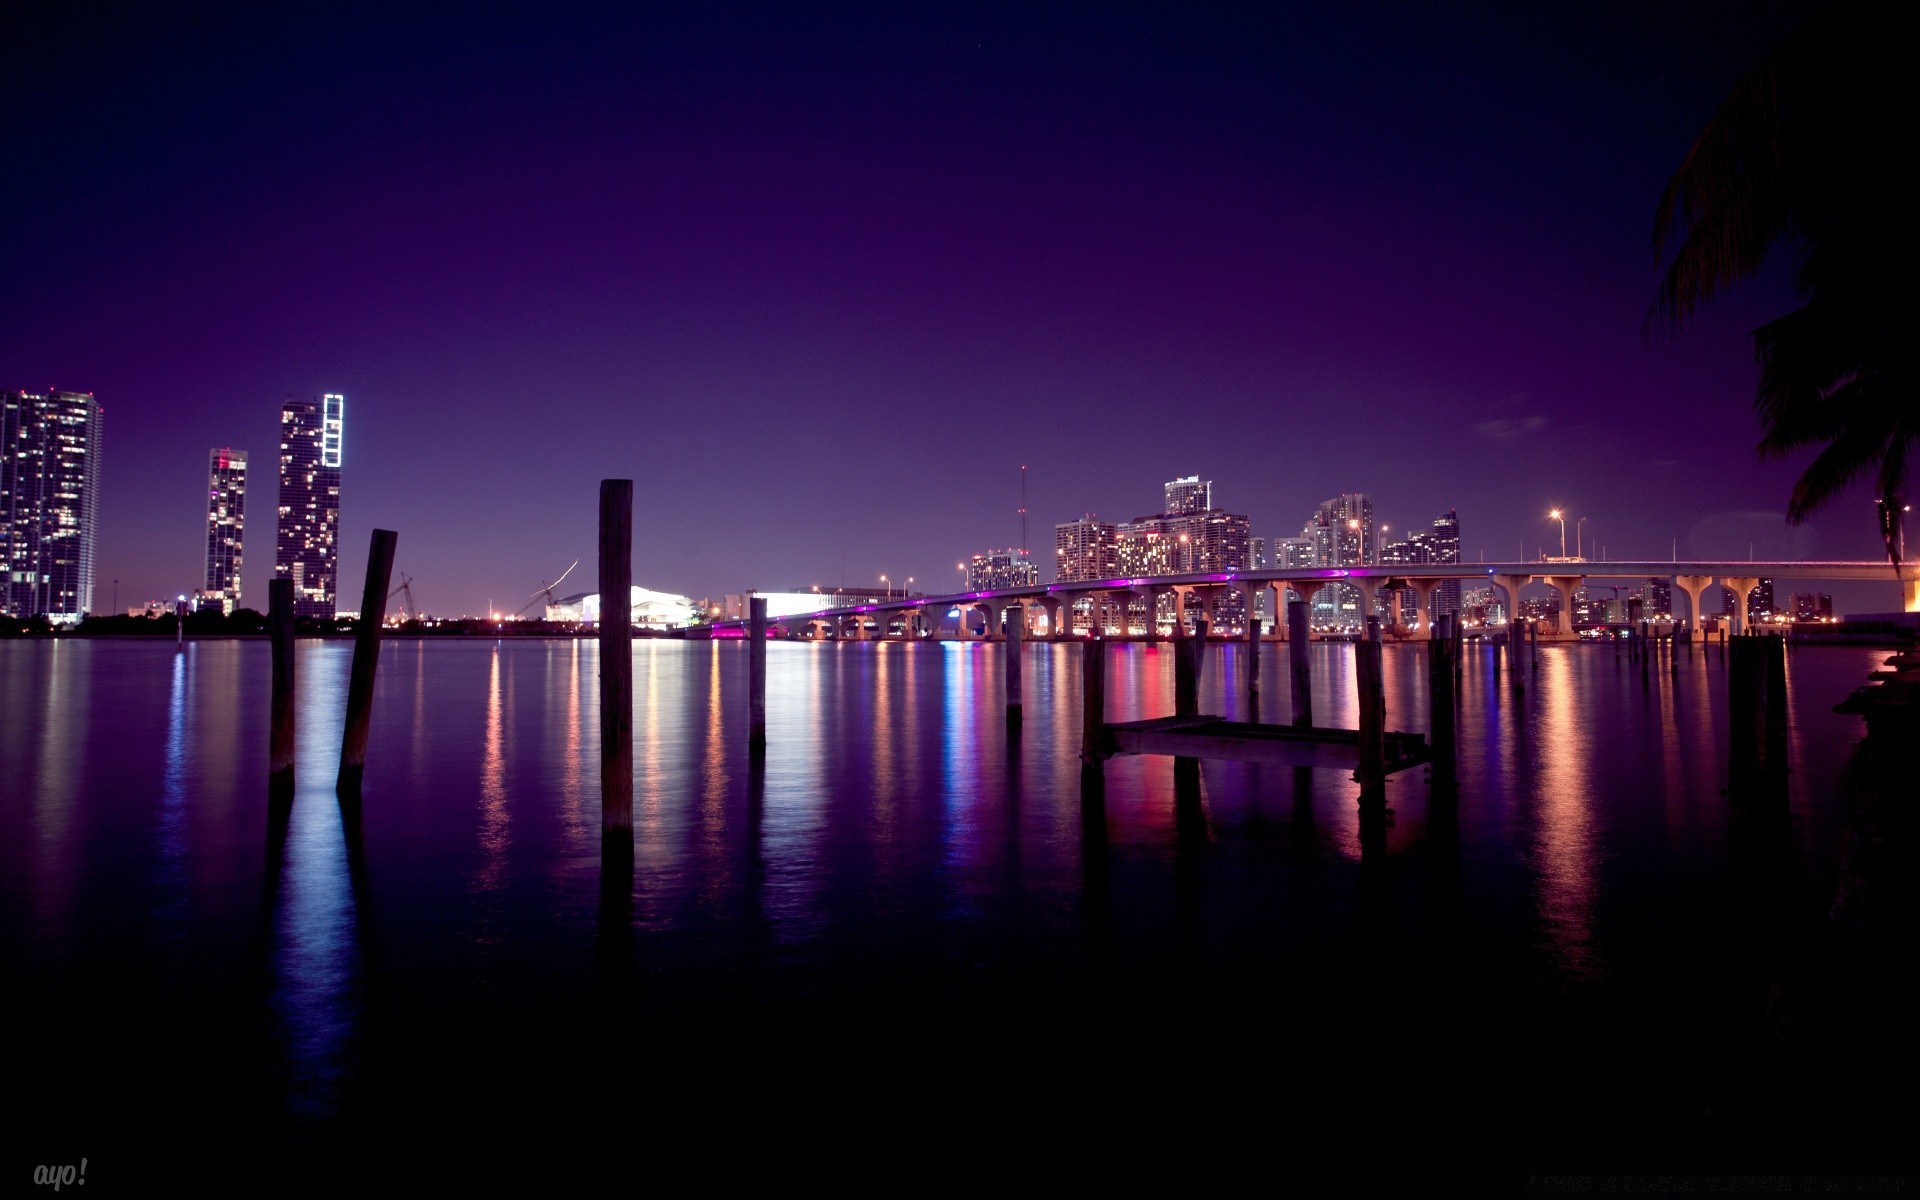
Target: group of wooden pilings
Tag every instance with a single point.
(1371, 770)
(366, 661)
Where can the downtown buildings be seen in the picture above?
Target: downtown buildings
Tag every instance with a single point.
(1001, 569)
(226, 530)
(307, 541)
(49, 503)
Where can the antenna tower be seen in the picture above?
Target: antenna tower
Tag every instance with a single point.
(1023, 510)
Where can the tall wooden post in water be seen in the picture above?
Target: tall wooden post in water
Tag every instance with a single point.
(756, 674)
(1372, 771)
(1093, 698)
(1016, 632)
(616, 657)
(1253, 656)
(1757, 721)
(366, 660)
(1297, 662)
(280, 630)
(1440, 707)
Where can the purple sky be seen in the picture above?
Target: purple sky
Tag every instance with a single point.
(821, 283)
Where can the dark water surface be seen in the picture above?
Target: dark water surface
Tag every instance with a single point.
(910, 935)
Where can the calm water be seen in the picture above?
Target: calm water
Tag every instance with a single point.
(908, 920)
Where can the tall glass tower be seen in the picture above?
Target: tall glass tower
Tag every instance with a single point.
(307, 548)
(226, 528)
(49, 503)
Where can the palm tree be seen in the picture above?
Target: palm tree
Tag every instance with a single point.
(1807, 153)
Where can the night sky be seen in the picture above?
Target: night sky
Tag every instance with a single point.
(821, 281)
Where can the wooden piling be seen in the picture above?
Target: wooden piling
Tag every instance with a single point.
(1533, 645)
(1646, 648)
(1516, 638)
(1371, 772)
(280, 631)
(1440, 712)
(1093, 698)
(1016, 632)
(616, 657)
(756, 673)
(1186, 684)
(1756, 722)
(366, 659)
(1302, 679)
(1253, 657)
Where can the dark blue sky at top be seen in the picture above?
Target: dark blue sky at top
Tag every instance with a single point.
(821, 279)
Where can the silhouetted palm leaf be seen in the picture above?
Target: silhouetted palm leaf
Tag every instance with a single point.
(1809, 151)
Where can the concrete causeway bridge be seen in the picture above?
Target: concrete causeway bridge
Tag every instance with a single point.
(1199, 595)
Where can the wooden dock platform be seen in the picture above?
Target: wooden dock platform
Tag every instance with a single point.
(1203, 736)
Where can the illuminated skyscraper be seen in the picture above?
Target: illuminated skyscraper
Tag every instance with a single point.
(1343, 536)
(1189, 494)
(307, 549)
(49, 502)
(1084, 549)
(226, 528)
(1001, 569)
(1446, 549)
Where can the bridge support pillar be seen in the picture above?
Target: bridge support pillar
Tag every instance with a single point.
(1424, 589)
(1693, 585)
(1740, 586)
(1910, 593)
(1566, 585)
(1304, 590)
(1511, 584)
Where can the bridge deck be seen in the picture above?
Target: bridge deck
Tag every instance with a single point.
(1243, 741)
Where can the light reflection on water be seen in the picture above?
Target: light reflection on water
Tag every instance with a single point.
(898, 831)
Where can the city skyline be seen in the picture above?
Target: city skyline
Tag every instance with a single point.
(1411, 258)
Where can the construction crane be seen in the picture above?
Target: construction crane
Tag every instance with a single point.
(546, 590)
(405, 590)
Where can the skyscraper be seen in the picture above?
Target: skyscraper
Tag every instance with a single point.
(49, 502)
(1001, 569)
(1084, 549)
(307, 549)
(226, 528)
(1188, 494)
(1446, 549)
(1342, 535)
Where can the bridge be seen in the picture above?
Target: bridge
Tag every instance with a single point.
(1198, 595)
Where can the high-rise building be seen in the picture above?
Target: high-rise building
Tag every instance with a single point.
(1001, 569)
(307, 546)
(1760, 601)
(1084, 549)
(226, 529)
(1257, 554)
(1189, 494)
(1342, 535)
(49, 502)
(1659, 598)
(1812, 606)
(1446, 550)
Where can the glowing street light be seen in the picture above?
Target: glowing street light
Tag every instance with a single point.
(1557, 515)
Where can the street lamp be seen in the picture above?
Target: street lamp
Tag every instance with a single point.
(1579, 546)
(1557, 515)
(886, 587)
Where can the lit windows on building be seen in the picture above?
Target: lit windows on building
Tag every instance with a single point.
(308, 530)
(49, 503)
(1001, 569)
(1084, 549)
(226, 529)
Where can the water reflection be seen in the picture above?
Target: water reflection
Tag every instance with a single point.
(174, 907)
(494, 833)
(1564, 845)
(317, 995)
